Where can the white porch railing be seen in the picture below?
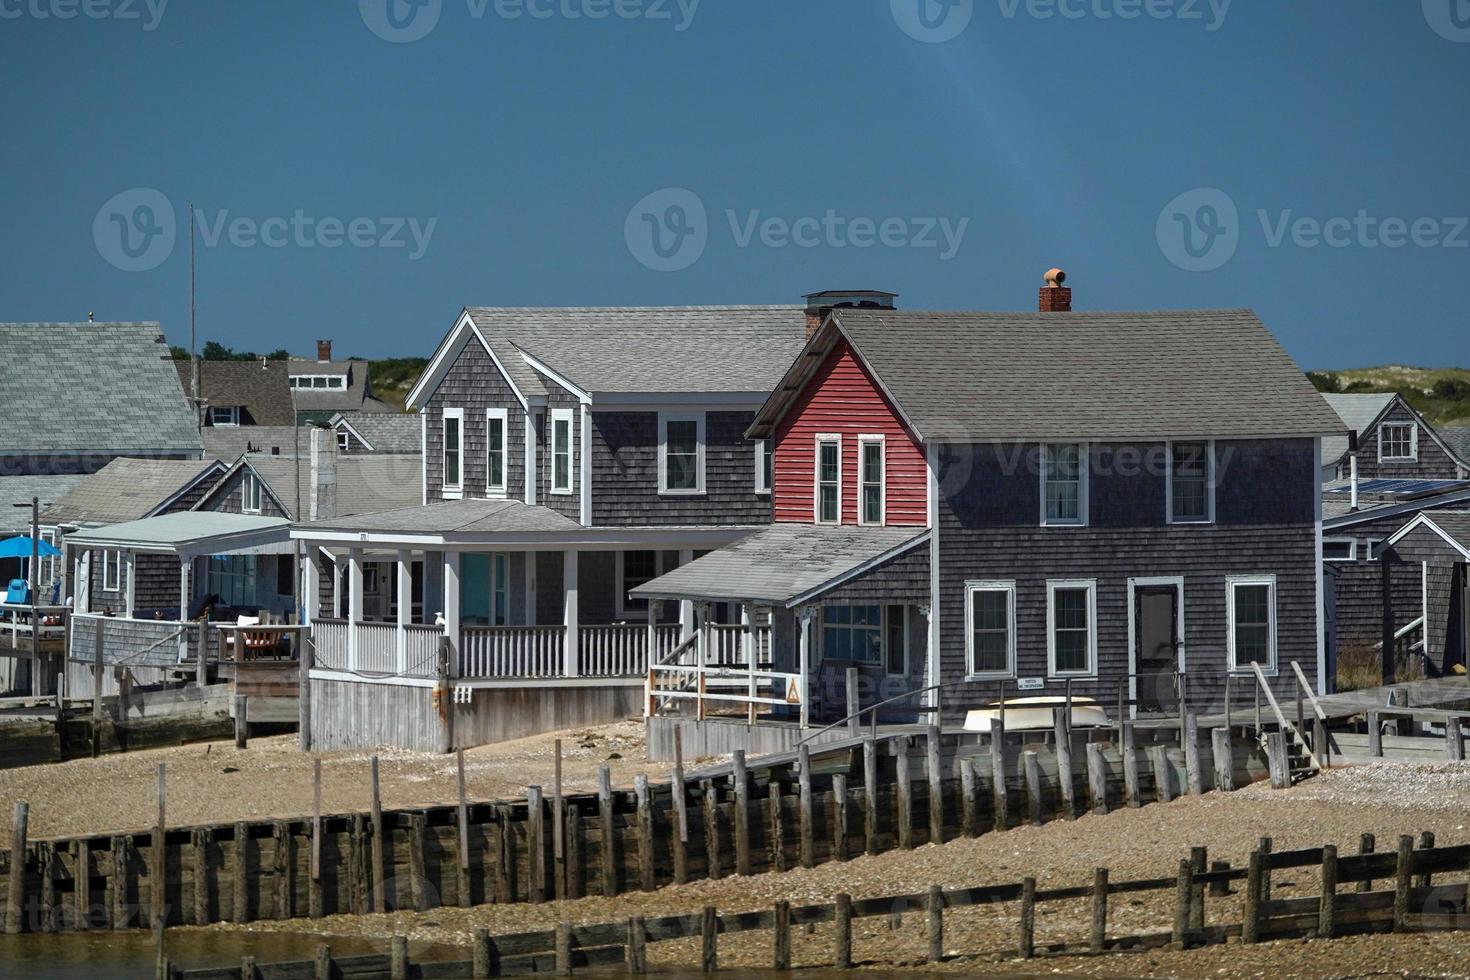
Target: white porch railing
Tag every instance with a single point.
(727, 645)
(621, 650)
(422, 644)
(329, 643)
(715, 688)
(512, 651)
(377, 648)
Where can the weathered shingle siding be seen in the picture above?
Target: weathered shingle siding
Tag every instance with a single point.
(475, 384)
(192, 496)
(156, 586)
(988, 517)
(568, 505)
(1433, 595)
(226, 498)
(1433, 462)
(625, 474)
(901, 579)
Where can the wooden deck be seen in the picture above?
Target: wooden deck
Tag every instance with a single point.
(1427, 693)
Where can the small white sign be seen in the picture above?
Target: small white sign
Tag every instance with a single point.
(1031, 683)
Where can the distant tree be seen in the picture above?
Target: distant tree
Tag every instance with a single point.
(279, 354)
(1454, 389)
(177, 353)
(1325, 381)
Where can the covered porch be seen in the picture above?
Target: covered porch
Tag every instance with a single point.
(847, 611)
(1438, 543)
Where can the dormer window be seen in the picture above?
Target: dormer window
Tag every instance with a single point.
(561, 450)
(250, 493)
(1398, 442)
(224, 415)
(495, 428)
(454, 449)
(828, 492)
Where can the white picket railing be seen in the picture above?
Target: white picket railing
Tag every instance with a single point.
(620, 650)
(727, 646)
(423, 650)
(329, 644)
(377, 648)
(512, 651)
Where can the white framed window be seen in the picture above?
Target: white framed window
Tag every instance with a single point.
(1064, 484)
(765, 465)
(111, 571)
(497, 429)
(344, 439)
(224, 415)
(249, 493)
(872, 483)
(1398, 441)
(561, 450)
(1339, 549)
(896, 640)
(1370, 549)
(827, 480)
(1071, 628)
(233, 578)
(1190, 489)
(337, 382)
(454, 450)
(990, 630)
(681, 453)
(853, 634)
(1250, 605)
(634, 569)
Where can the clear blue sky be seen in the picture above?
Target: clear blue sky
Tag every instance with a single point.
(1060, 140)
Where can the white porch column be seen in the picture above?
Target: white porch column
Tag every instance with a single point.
(570, 661)
(311, 576)
(804, 618)
(130, 588)
(530, 429)
(706, 632)
(337, 608)
(451, 608)
(354, 604)
(80, 595)
(747, 649)
(686, 606)
(185, 594)
(530, 617)
(405, 606)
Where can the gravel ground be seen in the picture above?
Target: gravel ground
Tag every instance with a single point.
(1387, 800)
(215, 782)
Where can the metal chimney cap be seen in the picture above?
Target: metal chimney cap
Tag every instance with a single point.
(1055, 278)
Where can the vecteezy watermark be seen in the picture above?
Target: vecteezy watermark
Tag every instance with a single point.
(932, 21)
(403, 21)
(668, 231)
(1200, 230)
(1211, 13)
(137, 230)
(147, 12)
(1449, 18)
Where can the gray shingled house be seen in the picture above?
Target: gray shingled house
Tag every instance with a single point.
(568, 456)
(324, 388)
(1100, 501)
(241, 393)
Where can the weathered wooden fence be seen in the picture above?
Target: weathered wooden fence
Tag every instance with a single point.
(771, 814)
(1346, 904)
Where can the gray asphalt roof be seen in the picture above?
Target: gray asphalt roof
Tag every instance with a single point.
(1358, 413)
(229, 443)
(127, 489)
(780, 563)
(365, 484)
(466, 517)
(22, 489)
(258, 387)
(387, 433)
(648, 349)
(74, 387)
(1037, 376)
(1457, 437)
(186, 531)
(356, 397)
(1455, 523)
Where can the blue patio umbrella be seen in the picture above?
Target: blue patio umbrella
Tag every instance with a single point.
(20, 547)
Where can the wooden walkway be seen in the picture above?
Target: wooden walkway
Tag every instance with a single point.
(1427, 693)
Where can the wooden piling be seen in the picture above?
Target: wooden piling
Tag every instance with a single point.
(969, 800)
(1000, 808)
(15, 902)
(1251, 906)
(781, 936)
(1403, 881)
(1426, 842)
(679, 839)
(572, 820)
(742, 813)
(81, 856)
(806, 830)
(646, 879)
(563, 949)
(380, 902)
(1277, 760)
(710, 804)
(839, 816)
(1224, 759)
(242, 723)
(1327, 907)
(635, 955)
(1063, 743)
(119, 910)
(535, 845)
(936, 784)
(158, 863)
(709, 934)
(558, 830)
(1028, 918)
(284, 871)
(1031, 767)
(505, 854)
(241, 858)
(483, 961)
(1097, 777)
(1099, 935)
(322, 965)
(1454, 745)
(934, 914)
(50, 919)
(870, 796)
(1132, 797)
(1158, 758)
(842, 930)
(775, 828)
(1199, 863)
(199, 843)
(462, 834)
(854, 718)
(1183, 893)
(904, 801)
(605, 826)
(398, 958)
(1375, 735)
(1194, 778)
(1367, 844)
(315, 900)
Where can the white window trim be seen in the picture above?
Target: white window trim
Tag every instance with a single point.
(821, 439)
(664, 418)
(761, 486)
(1368, 549)
(1209, 483)
(882, 444)
(1231, 582)
(1084, 470)
(564, 415)
(451, 491)
(344, 440)
(111, 571)
(232, 416)
(820, 625)
(1413, 456)
(503, 417)
(1052, 585)
(623, 611)
(1352, 549)
(980, 585)
(250, 482)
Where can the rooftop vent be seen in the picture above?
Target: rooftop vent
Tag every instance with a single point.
(818, 305)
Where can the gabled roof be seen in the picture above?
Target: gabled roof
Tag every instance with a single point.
(1456, 439)
(384, 433)
(983, 377)
(356, 397)
(783, 563)
(16, 490)
(1359, 412)
(91, 387)
(1453, 526)
(130, 489)
(364, 484)
(260, 387)
(696, 350)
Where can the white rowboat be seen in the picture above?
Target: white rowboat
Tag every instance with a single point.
(1035, 714)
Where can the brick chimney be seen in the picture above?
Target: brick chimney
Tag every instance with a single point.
(818, 305)
(1056, 298)
(324, 351)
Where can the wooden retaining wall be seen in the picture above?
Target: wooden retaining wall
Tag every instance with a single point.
(770, 815)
